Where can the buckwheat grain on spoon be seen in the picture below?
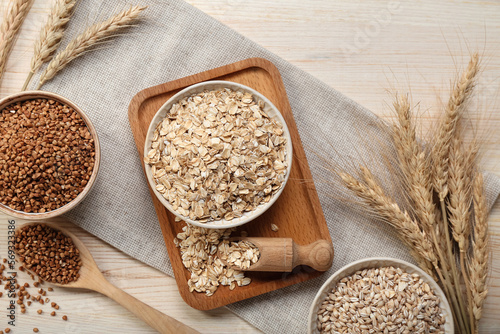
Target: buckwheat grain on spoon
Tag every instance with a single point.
(63, 256)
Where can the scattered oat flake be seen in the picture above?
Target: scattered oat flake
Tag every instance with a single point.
(274, 227)
(199, 247)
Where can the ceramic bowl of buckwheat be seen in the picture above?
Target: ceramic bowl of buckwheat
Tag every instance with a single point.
(380, 295)
(49, 155)
(218, 154)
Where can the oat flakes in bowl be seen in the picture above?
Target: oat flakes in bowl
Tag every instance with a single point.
(218, 154)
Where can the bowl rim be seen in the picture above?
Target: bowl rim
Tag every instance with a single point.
(374, 262)
(211, 85)
(38, 94)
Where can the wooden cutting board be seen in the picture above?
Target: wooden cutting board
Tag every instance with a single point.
(297, 212)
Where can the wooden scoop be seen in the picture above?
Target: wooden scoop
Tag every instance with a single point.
(283, 254)
(91, 278)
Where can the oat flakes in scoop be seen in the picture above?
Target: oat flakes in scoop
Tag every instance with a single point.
(217, 154)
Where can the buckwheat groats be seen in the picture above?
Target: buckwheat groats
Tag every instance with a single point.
(49, 253)
(46, 155)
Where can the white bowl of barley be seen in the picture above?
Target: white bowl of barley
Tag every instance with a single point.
(268, 108)
(350, 270)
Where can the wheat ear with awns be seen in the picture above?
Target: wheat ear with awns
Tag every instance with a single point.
(12, 21)
(92, 35)
(50, 36)
(444, 191)
(479, 259)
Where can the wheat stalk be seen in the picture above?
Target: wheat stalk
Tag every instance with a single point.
(417, 179)
(88, 38)
(446, 130)
(478, 265)
(12, 21)
(440, 154)
(50, 35)
(462, 163)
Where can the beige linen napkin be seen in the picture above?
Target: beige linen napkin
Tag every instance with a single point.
(175, 40)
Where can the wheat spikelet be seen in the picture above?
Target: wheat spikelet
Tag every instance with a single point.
(478, 265)
(50, 35)
(461, 168)
(12, 21)
(446, 130)
(88, 38)
(414, 164)
(374, 197)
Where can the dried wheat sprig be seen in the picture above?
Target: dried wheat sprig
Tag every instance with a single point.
(454, 276)
(414, 164)
(462, 162)
(12, 21)
(50, 35)
(415, 167)
(88, 38)
(446, 129)
(478, 265)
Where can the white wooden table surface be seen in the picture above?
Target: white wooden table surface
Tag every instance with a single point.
(360, 48)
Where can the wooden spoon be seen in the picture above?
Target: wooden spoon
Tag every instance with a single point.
(283, 254)
(91, 278)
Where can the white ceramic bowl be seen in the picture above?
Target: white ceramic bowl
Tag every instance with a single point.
(376, 263)
(269, 108)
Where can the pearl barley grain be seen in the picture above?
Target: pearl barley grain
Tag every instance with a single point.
(385, 299)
